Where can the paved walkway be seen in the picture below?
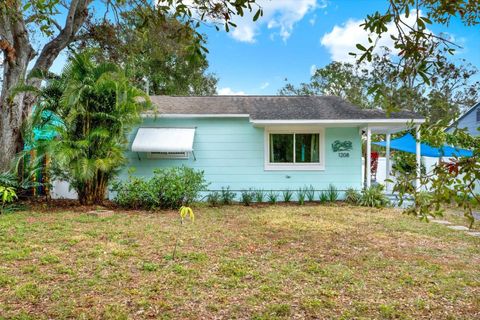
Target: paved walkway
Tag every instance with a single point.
(454, 227)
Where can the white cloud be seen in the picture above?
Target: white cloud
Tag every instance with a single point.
(313, 69)
(264, 85)
(343, 39)
(279, 16)
(229, 92)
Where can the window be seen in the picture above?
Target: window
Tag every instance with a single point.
(298, 150)
(478, 114)
(168, 155)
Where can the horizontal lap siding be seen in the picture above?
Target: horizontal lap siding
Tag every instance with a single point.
(230, 152)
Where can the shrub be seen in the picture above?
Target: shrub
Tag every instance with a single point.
(247, 197)
(310, 193)
(301, 194)
(167, 189)
(332, 193)
(272, 197)
(287, 195)
(374, 197)
(352, 196)
(7, 195)
(227, 195)
(214, 198)
(323, 197)
(259, 195)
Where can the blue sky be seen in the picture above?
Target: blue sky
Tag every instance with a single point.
(287, 42)
(295, 36)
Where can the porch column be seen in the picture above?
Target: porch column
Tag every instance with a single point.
(387, 162)
(418, 157)
(368, 170)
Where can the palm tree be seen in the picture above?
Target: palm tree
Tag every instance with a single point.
(97, 107)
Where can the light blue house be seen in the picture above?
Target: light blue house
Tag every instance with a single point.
(470, 121)
(260, 142)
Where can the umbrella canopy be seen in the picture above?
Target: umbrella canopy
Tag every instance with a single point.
(407, 143)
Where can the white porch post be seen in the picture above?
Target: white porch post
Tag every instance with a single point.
(418, 157)
(387, 162)
(369, 158)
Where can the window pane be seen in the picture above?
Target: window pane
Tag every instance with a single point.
(281, 148)
(306, 147)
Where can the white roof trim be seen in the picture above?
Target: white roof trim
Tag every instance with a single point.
(195, 115)
(163, 140)
(341, 121)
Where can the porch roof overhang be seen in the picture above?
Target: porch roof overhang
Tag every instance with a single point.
(375, 125)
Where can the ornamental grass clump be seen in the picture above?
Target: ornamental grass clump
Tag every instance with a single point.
(272, 197)
(214, 198)
(227, 196)
(352, 196)
(310, 193)
(259, 195)
(287, 195)
(332, 193)
(301, 195)
(247, 197)
(374, 197)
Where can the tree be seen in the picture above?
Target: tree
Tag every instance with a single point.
(97, 107)
(344, 80)
(451, 90)
(23, 22)
(157, 51)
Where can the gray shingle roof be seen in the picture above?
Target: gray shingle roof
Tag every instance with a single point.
(272, 107)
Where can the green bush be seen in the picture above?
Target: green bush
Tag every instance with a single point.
(259, 195)
(323, 197)
(227, 195)
(247, 197)
(301, 195)
(310, 193)
(272, 197)
(352, 196)
(332, 193)
(214, 198)
(287, 195)
(373, 197)
(167, 189)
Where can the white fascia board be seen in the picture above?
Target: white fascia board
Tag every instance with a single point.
(194, 115)
(353, 121)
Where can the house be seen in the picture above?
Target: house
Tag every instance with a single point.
(261, 142)
(470, 121)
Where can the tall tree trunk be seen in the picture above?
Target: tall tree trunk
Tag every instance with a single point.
(16, 48)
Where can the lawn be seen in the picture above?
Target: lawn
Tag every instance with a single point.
(236, 262)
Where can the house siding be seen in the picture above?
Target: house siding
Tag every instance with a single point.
(230, 151)
(469, 122)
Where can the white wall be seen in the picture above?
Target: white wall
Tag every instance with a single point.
(61, 190)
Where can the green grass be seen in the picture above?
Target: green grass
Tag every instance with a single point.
(264, 262)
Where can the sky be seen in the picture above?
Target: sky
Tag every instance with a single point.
(296, 36)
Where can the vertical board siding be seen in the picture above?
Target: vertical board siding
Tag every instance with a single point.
(470, 123)
(230, 151)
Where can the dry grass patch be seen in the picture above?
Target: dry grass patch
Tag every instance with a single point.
(236, 262)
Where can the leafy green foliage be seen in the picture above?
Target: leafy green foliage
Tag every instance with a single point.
(166, 189)
(287, 195)
(97, 107)
(301, 195)
(259, 195)
(227, 195)
(374, 197)
(332, 193)
(7, 195)
(323, 197)
(247, 197)
(272, 197)
(452, 182)
(214, 198)
(310, 193)
(352, 196)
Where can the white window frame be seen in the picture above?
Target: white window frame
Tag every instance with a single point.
(168, 155)
(295, 130)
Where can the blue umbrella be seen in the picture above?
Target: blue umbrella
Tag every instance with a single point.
(407, 143)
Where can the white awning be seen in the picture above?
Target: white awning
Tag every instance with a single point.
(163, 140)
